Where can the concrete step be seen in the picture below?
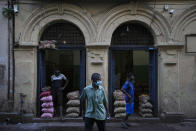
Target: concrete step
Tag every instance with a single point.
(111, 126)
(80, 119)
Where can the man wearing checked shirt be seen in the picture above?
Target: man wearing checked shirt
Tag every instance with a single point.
(96, 104)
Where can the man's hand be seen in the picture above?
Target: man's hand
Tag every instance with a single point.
(129, 99)
(108, 116)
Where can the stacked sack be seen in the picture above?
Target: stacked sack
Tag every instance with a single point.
(119, 104)
(73, 104)
(47, 104)
(47, 44)
(145, 108)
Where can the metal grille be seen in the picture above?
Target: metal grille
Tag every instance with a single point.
(132, 34)
(64, 33)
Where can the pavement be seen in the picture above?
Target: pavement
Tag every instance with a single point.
(110, 126)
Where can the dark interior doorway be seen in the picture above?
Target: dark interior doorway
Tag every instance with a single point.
(68, 56)
(132, 50)
(137, 62)
(68, 62)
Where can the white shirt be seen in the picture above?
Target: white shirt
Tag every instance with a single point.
(59, 77)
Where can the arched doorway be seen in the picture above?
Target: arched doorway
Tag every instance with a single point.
(132, 50)
(68, 56)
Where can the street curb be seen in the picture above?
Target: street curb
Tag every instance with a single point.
(189, 120)
(14, 118)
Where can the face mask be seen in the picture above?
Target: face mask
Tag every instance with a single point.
(98, 83)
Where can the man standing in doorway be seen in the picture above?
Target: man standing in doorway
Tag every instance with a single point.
(96, 104)
(128, 90)
(59, 82)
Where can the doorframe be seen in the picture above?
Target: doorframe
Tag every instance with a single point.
(41, 70)
(152, 74)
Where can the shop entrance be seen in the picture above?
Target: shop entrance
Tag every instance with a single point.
(64, 50)
(132, 50)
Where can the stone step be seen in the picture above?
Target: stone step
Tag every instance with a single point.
(112, 126)
(112, 120)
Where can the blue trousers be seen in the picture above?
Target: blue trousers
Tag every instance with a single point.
(129, 108)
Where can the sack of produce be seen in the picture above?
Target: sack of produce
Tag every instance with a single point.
(145, 110)
(48, 110)
(146, 115)
(47, 104)
(73, 95)
(73, 103)
(46, 88)
(47, 115)
(118, 95)
(73, 110)
(46, 99)
(120, 110)
(120, 115)
(144, 98)
(45, 93)
(146, 105)
(73, 115)
(118, 103)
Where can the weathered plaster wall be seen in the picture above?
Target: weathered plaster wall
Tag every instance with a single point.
(188, 77)
(3, 58)
(98, 20)
(97, 62)
(169, 92)
(26, 78)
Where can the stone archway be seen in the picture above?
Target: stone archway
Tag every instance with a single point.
(26, 55)
(181, 23)
(36, 23)
(134, 12)
(157, 24)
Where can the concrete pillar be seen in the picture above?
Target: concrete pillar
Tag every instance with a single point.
(97, 61)
(26, 78)
(169, 80)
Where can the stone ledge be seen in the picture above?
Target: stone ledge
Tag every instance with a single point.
(172, 117)
(170, 44)
(15, 117)
(167, 117)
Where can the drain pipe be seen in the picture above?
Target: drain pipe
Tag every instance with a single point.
(10, 58)
(13, 57)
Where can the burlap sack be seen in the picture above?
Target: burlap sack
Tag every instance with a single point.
(143, 101)
(73, 103)
(120, 115)
(120, 110)
(72, 115)
(146, 105)
(145, 110)
(73, 110)
(118, 103)
(47, 44)
(73, 95)
(118, 95)
(144, 98)
(46, 88)
(146, 115)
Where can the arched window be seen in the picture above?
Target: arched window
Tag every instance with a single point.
(63, 33)
(132, 34)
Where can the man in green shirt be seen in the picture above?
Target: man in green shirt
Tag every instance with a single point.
(96, 104)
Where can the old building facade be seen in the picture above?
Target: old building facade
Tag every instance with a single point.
(164, 53)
